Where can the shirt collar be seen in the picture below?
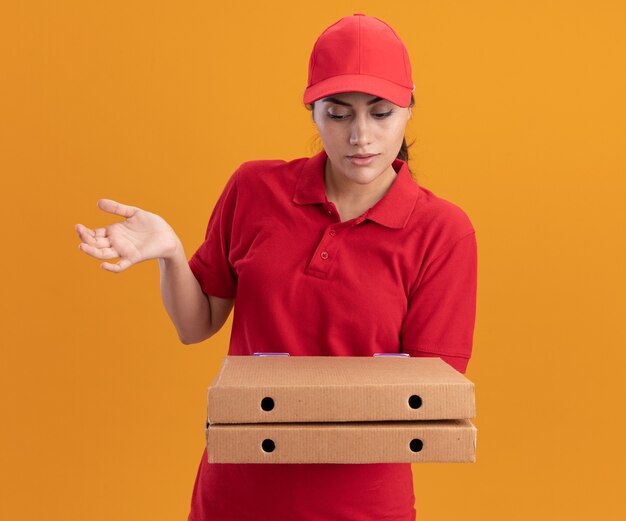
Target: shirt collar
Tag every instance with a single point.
(392, 210)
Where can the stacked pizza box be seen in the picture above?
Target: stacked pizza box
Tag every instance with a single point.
(335, 409)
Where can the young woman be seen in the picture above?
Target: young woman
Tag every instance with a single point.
(342, 253)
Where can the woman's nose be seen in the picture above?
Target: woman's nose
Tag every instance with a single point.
(360, 132)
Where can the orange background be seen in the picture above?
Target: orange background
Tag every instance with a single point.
(519, 119)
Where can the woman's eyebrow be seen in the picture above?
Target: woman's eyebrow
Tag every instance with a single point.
(330, 99)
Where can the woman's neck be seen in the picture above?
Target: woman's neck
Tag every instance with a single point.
(354, 196)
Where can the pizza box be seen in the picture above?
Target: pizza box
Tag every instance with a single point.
(297, 389)
(427, 441)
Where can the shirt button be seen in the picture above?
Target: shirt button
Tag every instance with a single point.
(324, 255)
(330, 212)
(332, 232)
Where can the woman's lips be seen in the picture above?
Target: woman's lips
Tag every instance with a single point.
(362, 161)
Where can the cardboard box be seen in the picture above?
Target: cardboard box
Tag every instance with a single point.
(346, 442)
(273, 389)
(331, 409)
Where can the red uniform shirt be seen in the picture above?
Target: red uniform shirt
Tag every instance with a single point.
(399, 278)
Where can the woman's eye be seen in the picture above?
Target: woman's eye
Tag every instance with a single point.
(379, 115)
(382, 115)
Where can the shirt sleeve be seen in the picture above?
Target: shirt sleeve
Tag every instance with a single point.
(210, 263)
(442, 307)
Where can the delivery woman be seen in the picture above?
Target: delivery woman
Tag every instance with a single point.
(338, 254)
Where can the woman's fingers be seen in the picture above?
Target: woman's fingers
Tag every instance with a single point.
(82, 230)
(110, 206)
(99, 253)
(101, 239)
(86, 234)
(97, 244)
(117, 267)
(95, 238)
(106, 253)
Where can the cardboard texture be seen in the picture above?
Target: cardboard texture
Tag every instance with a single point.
(358, 442)
(331, 409)
(337, 388)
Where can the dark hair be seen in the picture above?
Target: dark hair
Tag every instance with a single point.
(403, 153)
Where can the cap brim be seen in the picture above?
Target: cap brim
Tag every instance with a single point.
(397, 94)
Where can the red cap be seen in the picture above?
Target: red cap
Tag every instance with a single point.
(360, 53)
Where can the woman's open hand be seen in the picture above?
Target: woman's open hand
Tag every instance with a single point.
(141, 236)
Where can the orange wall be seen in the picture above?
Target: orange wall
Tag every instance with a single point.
(519, 120)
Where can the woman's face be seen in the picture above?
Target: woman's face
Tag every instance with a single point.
(352, 123)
